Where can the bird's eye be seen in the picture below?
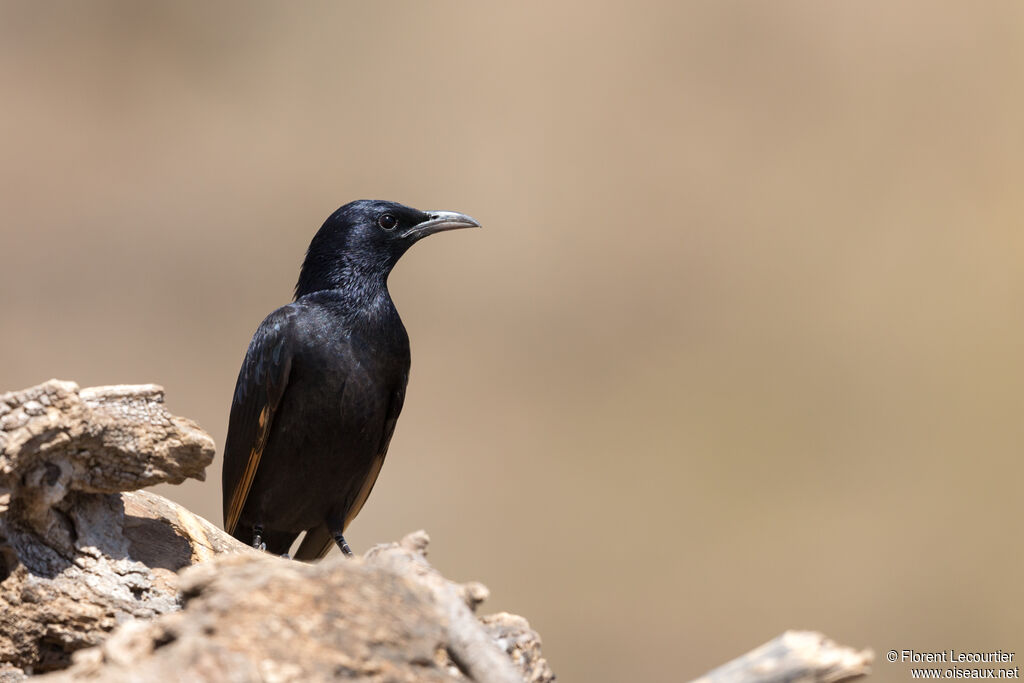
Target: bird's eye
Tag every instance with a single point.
(387, 221)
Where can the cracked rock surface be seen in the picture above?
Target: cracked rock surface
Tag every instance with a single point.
(70, 566)
(256, 617)
(101, 581)
(270, 619)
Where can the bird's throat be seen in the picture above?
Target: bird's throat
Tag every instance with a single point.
(361, 280)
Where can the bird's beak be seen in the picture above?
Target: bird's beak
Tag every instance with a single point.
(441, 220)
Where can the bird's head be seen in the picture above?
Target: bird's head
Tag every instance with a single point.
(362, 241)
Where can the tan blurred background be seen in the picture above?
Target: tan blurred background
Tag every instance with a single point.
(739, 350)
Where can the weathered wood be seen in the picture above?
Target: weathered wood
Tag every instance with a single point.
(795, 657)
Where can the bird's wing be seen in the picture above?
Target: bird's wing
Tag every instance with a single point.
(258, 392)
(394, 408)
(318, 541)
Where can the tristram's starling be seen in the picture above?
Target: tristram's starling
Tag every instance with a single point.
(322, 385)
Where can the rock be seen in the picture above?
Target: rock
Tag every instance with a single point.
(77, 557)
(103, 582)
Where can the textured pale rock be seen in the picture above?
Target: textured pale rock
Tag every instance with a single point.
(94, 574)
(105, 439)
(803, 656)
(521, 643)
(265, 618)
(259, 618)
(77, 557)
(468, 642)
(89, 570)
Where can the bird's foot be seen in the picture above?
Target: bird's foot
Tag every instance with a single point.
(343, 544)
(257, 538)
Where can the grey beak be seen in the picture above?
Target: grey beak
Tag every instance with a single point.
(438, 221)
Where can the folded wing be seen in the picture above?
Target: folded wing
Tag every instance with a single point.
(258, 394)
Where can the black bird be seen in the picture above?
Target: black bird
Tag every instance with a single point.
(322, 385)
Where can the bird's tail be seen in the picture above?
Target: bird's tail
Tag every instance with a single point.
(315, 544)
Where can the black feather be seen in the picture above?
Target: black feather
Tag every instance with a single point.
(322, 384)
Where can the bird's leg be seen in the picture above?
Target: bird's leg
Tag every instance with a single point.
(257, 537)
(343, 544)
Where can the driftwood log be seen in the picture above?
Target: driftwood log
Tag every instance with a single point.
(102, 581)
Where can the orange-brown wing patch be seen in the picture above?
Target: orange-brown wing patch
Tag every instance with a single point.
(241, 491)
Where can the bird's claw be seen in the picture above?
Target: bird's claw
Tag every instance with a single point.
(342, 544)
